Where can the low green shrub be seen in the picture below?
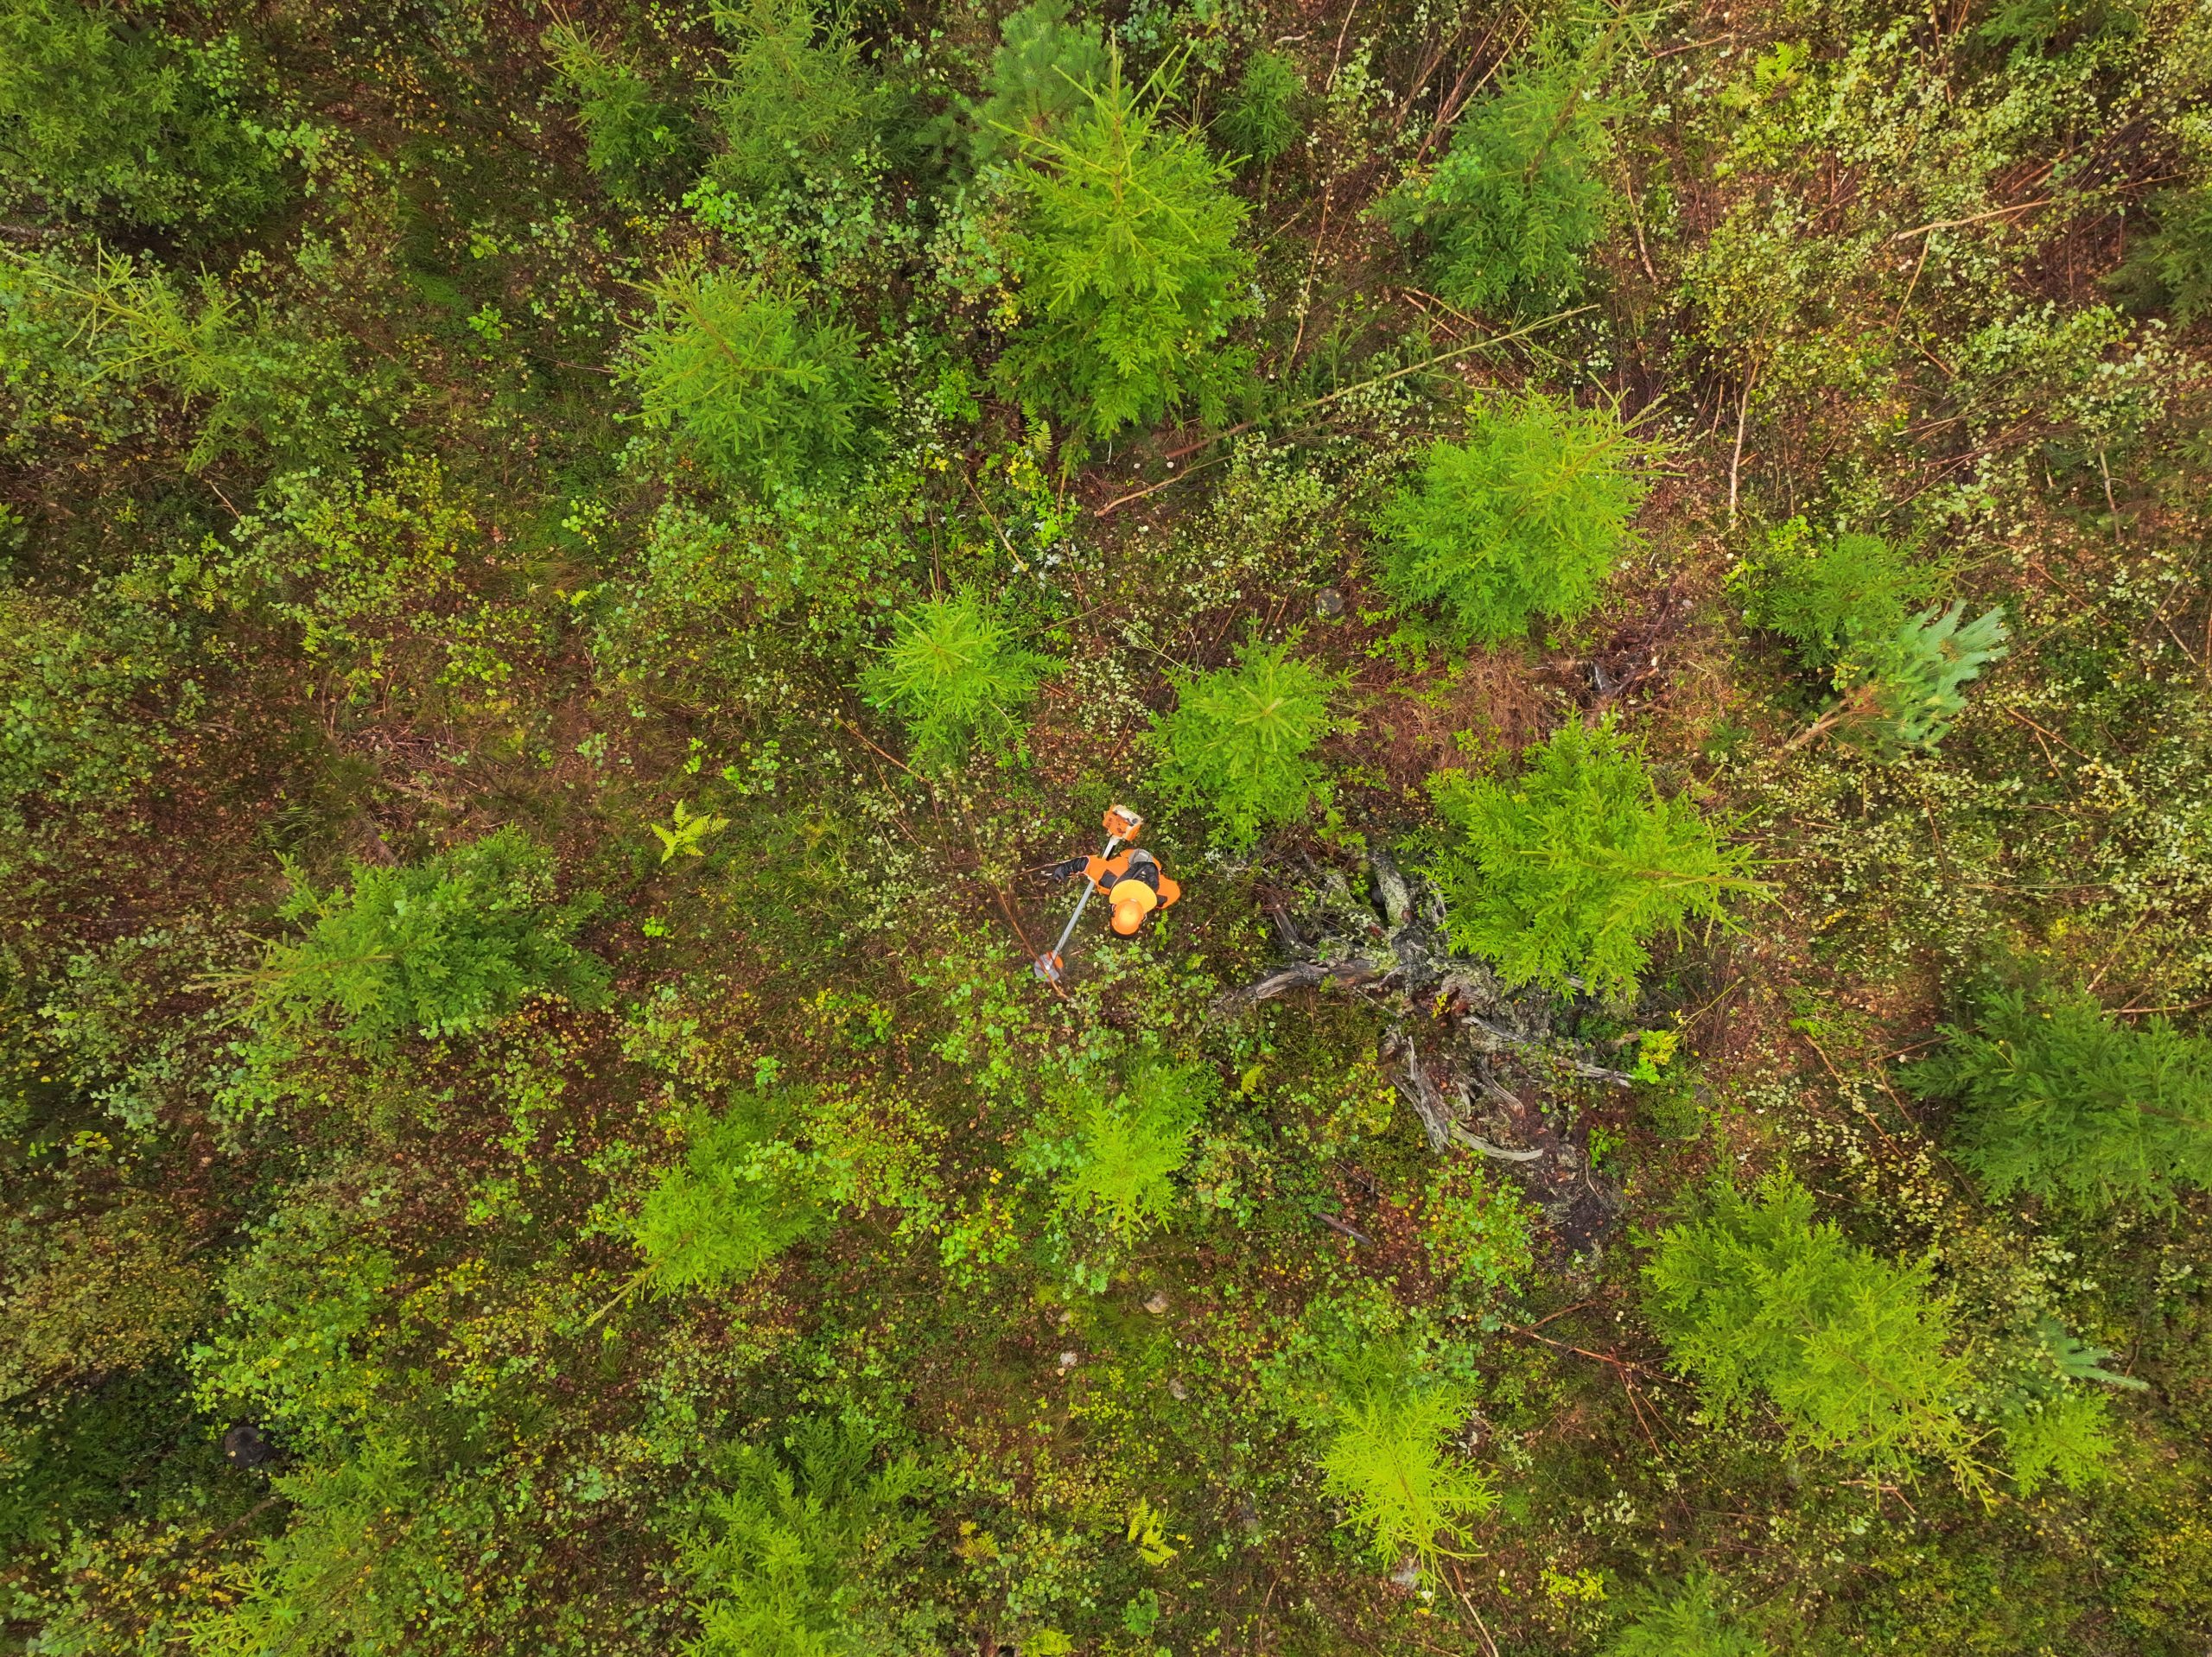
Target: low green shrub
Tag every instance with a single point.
(366, 573)
(1525, 519)
(105, 111)
(89, 689)
(1240, 744)
(1901, 691)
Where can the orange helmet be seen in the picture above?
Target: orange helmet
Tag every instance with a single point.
(1133, 900)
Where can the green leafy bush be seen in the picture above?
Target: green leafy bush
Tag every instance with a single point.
(740, 1197)
(1563, 877)
(1041, 73)
(789, 1558)
(1527, 517)
(445, 947)
(99, 113)
(1129, 269)
(1475, 1231)
(1518, 199)
(954, 673)
(93, 1297)
(1828, 594)
(2064, 1102)
(1261, 119)
(769, 397)
(636, 143)
(681, 622)
(89, 693)
(1388, 1461)
(1239, 744)
(367, 574)
(1128, 1145)
(1689, 1622)
(798, 108)
(1903, 691)
(290, 1351)
(1755, 1299)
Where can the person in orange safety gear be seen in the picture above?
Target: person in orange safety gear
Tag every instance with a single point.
(1132, 881)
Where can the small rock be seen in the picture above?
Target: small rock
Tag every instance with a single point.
(1157, 1304)
(1177, 1391)
(1067, 1360)
(1328, 603)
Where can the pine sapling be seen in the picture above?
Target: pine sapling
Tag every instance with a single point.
(1516, 202)
(1239, 743)
(1829, 595)
(1526, 519)
(447, 947)
(1758, 1301)
(789, 1553)
(633, 141)
(798, 108)
(1129, 266)
(1389, 1461)
(740, 1197)
(1041, 74)
(1129, 1144)
(954, 672)
(2063, 1102)
(1564, 876)
(1261, 119)
(1689, 1622)
(768, 396)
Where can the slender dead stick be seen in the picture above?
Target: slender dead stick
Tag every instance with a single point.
(1735, 461)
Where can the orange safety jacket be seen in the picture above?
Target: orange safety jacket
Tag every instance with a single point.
(1134, 864)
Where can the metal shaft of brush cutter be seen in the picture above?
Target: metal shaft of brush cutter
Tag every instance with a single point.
(1047, 966)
